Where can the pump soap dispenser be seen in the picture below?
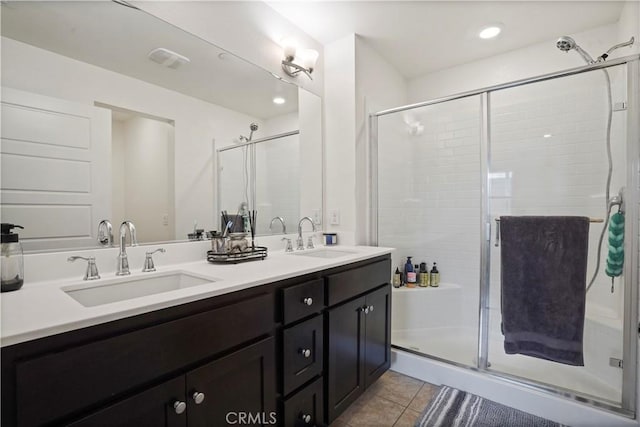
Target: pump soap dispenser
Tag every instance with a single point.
(12, 266)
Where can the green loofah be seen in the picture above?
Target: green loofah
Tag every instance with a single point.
(615, 259)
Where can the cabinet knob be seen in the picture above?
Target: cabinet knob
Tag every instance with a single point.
(306, 418)
(305, 352)
(308, 301)
(370, 308)
(365, 309)
(197, 397)
(179, 407)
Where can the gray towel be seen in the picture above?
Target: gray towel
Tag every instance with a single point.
(544, 273)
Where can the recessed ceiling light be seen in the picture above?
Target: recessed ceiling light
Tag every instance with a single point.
(490, 32)
(279, 100)
(547, 135)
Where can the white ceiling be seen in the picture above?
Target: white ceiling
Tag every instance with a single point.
(119, 38)
(418, 37)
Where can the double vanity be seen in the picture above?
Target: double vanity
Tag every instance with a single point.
(290, 340)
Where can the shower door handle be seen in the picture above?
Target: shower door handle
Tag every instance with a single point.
(497, 232)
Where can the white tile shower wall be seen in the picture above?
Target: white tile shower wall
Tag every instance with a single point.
(277, 183)
(429, 193)
(563, 173)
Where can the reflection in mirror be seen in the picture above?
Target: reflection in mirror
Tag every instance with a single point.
(78, 87)
(263, 174)
(277, 175)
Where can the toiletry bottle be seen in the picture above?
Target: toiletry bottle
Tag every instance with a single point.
(410, 274)
(12, 266)
(397, 281)
(435, 276)
(424, 275)
(416, 268)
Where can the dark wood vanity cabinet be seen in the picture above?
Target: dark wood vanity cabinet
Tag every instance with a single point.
(358, 338)
(285, 353)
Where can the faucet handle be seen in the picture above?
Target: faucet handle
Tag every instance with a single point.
(289, 247)
(148, 260)
(310, 243)
(92, 268)
(299, 243)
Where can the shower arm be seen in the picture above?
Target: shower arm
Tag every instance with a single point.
(605, 55)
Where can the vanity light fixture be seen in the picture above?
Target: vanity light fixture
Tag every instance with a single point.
(490, 32)
(279, 100)
(296, 60)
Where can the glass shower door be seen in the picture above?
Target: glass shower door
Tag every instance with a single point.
(547, 156)
(428, 202)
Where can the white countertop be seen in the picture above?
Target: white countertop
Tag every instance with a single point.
(43, 308)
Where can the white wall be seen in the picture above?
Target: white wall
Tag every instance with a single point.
(249, 29)
(340, 135)
(530, 61)
(378, 86)
(118, 172)
(197, 123)
(149, 189)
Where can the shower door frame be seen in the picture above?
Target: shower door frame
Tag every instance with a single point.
(631, 327)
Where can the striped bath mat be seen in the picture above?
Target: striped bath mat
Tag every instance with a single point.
(455, 408)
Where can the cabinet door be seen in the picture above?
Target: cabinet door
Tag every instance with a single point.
(237, 389)
(301, 353)
(345, 354)
(159, 406)
(377, 342)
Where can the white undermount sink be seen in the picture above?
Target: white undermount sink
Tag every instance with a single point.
(101, 292)
(324, 253)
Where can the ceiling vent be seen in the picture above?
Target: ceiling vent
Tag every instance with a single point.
(168, 58)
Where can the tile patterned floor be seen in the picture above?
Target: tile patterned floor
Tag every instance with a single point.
(395, 400)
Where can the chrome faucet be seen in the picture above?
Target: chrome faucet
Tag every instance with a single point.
(123, 261)
(279, 218)
(300, 241)
(105, 233)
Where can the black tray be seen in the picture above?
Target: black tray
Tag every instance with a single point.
(251, 254)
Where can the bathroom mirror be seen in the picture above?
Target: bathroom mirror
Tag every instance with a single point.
(111, 113)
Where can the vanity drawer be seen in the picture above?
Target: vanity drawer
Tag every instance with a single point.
(305, 408)
(351, 283)
(98, 371)
(302, 300)
(302, 353)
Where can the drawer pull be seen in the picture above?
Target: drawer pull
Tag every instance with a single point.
(179, 407)
(306, 418)
(198, 397)
(305, 352)
(308, 301)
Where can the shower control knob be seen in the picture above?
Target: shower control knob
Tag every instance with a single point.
(305, 352)
(308, 301)
(179, 407)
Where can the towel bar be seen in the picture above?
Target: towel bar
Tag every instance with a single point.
(498, 228)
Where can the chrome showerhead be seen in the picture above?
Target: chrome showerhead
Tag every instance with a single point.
(253, 127)
(566, 43)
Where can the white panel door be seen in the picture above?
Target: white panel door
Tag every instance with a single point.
(55, 169)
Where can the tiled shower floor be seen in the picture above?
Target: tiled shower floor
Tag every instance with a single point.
(394, 400)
